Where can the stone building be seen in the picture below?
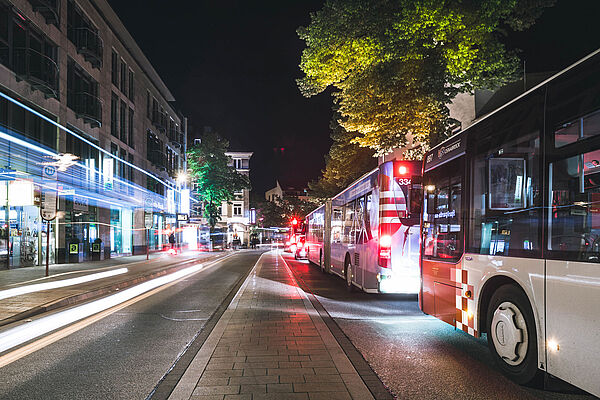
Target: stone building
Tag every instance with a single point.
(73, 81)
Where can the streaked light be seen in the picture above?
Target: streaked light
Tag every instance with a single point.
(23, 333)
(4, 294)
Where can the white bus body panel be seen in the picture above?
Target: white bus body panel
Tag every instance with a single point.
(573, 322)
(528, 273)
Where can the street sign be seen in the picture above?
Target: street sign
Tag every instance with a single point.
(49, 172)
(96, 247)
(48, 208)
(148, 219)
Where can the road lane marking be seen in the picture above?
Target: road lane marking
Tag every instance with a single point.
(79, 317)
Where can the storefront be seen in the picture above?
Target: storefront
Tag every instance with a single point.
(121, 231)
(23, 233)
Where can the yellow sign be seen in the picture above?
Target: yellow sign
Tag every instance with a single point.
(74, 248)
(96, 247)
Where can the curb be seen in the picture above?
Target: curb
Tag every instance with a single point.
(82, 297)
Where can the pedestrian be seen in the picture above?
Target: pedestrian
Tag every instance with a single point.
(172, 240)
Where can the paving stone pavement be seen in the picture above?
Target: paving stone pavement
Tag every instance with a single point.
(271, 344)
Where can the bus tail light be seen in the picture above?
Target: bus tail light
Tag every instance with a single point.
(385, 251)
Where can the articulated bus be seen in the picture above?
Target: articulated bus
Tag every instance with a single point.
(511, 230)
(369, 233)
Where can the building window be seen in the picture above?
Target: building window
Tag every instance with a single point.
(237, 209)
(115, 68)
(114, 118)
(131, 91)
(15, 118)
(82, 95)
(123, 86)
(130, 128)
(28, 53)
(131, 174)
(123, 121)
(84, 35)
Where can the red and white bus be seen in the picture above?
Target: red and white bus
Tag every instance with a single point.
(511, 230)
(369, 233)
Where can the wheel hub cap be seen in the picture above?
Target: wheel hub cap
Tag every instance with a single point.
(509, 333)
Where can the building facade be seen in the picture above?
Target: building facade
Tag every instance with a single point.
(74, 82)
(235, 216)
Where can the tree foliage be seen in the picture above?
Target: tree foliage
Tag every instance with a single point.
(216, 181)
(395, 65)
(345, 163)
(281, 211)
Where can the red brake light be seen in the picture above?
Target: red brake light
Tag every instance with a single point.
(402, 170)
(385, 250)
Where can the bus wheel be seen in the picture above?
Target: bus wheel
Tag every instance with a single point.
(348, 273)
(511, 334)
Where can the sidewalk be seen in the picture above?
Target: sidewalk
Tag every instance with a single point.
(270, 344)
(105, 277)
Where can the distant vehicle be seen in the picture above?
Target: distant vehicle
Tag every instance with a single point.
(300, 253)
(511, 228)
(369, 233)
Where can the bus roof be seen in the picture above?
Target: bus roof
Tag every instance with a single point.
(545, 82)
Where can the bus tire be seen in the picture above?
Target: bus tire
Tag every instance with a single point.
(512, 335)
(348, 275)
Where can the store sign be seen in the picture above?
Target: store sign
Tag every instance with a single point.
(183, 217)
(96, 247)
(80, 203)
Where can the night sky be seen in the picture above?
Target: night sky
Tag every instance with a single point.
(232, 65)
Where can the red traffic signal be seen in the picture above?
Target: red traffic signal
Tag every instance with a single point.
(294, 222)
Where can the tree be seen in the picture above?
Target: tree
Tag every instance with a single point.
(345, 163)
(281, 211)
(216, 181)
(395, 65)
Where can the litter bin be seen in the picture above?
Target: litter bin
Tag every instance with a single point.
(96, 249)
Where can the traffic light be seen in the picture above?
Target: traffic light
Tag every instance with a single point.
(294, 222)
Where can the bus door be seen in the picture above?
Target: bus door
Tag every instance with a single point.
(573, 270)
(337, 220)
(442, 240)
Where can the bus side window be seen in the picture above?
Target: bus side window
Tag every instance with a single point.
(504, 200)
(574, 217)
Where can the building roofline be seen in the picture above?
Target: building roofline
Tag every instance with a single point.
(119, 30)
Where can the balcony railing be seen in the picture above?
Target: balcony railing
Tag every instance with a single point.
(89, 44)
(88, 107)
(39, 70)
(174, 137)
(49, 10)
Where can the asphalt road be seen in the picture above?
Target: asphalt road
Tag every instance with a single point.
(124, 355)
(415, 355)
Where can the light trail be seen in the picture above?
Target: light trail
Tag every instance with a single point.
(5, 294)
(78, 317)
